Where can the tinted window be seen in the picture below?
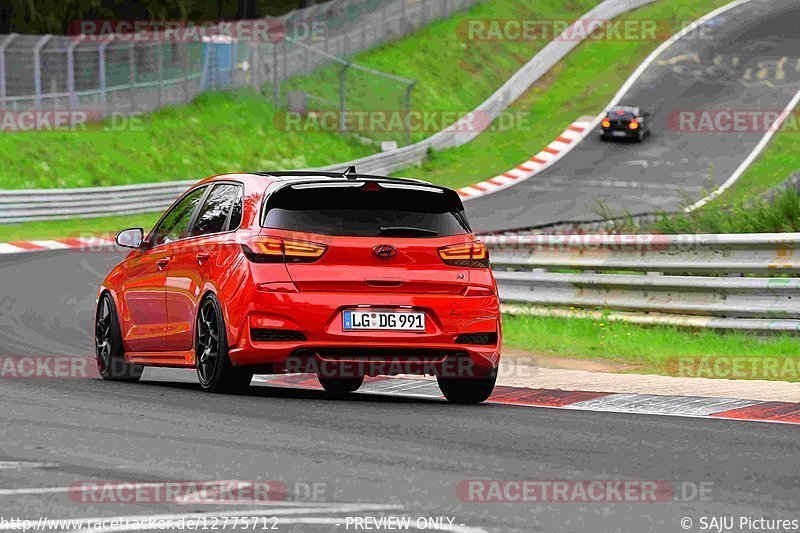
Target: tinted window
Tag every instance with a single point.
(213, 216)
(236, 214)
(175, 224)
(623, 112)
(367, 210)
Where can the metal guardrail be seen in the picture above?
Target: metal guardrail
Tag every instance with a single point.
(721, 281)
(27, 205)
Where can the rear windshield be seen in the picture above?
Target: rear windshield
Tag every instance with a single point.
(623, 112)
(366, 210)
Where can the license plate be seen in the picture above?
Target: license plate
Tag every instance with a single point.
(404, 321)
(619, 134)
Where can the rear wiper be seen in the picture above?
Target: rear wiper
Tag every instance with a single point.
(399, 231)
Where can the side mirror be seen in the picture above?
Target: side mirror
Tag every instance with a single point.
(130, 238)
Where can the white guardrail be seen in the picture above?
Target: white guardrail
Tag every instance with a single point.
(53, 204)
(746, 281)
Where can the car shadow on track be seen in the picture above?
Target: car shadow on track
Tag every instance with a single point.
(266, 391)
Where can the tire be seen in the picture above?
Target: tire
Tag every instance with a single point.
(336, 385)
(215, 372)
(109, 351)
(468, 390)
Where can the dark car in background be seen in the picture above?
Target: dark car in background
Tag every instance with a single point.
(625, 122)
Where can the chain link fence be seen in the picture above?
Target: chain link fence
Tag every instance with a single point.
(116, 73)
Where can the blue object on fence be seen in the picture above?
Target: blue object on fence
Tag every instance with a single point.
(219, 60)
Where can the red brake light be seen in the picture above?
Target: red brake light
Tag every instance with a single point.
(606, 123)
(471, 254)
(265, 249)
(633, 125)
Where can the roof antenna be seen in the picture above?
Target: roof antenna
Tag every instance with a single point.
(351, 171)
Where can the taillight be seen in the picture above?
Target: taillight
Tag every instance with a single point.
(278, 250)
(633, 125)
(470, 254)
(606, 123)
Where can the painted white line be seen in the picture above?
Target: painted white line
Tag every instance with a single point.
(16, 465)
(687, 30)
(751, 157)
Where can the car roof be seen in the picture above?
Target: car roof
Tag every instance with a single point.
(296, 176)
(628, 108)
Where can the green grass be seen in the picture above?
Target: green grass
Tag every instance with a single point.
(581, 84)
(775, 164)
(453, 73)
(778, 214)
(651, 349)
(230, 132)
(55, 229)
(217, 133)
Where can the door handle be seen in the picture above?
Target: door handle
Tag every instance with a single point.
(203, 257)
(162, 263)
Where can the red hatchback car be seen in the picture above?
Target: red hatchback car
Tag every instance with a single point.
(344, 275)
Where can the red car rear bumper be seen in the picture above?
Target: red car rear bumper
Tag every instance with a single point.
(307, 326)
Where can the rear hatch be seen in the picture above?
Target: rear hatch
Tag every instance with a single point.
(620, 118)
(378, 236)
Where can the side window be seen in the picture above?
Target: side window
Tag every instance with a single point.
(175, 225)
(236, 212)
(213, 216)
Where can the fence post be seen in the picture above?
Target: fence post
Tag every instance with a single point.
(102, 62)
(37, 69)
(72, 99)
(409, 88)
(160, 63)
(276, 90)
(342, 94)
(285, 59)
(132, 67)
(186, 71)
(8, 39)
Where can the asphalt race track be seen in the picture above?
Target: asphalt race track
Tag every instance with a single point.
(389, 455)
(745, 59)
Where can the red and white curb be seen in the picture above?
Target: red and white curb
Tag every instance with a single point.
(78, 243)
(571, 136)
(648, 404)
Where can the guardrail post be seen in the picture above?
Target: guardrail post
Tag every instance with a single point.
(3, 45)
(37, 69)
